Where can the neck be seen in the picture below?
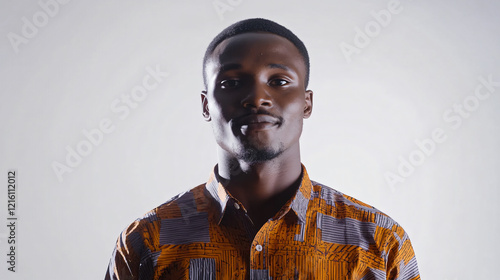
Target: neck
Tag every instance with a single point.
(261, 187)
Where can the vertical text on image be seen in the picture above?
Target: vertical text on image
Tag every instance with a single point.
(11, 220)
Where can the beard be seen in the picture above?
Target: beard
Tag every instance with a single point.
(252, 154)
(251, 149)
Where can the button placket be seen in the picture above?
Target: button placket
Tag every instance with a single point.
(258, 251)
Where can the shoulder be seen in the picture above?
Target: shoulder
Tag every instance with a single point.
(180, 205)
(364, 226)
(362, 223)
(344, 206)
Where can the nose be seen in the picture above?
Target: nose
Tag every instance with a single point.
(257, 96)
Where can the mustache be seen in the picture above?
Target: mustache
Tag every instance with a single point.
(241, 119)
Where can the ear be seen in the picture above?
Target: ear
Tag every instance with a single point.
(309, 104)
(204, 105)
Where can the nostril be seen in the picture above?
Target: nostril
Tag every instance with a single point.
(256, 103)
(266, 103)
(247, 105)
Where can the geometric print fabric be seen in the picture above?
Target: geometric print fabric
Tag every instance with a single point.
(319, 234)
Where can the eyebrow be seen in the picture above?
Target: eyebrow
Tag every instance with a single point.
(236, 66)
(231, 66)
(279, 66)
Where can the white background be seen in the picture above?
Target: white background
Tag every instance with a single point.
(369, 109)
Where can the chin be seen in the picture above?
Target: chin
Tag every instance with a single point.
(254, 154)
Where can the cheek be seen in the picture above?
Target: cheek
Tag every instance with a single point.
(294, 117)
(295, 110)
(219, 119)
(223, 108)
(215, 109)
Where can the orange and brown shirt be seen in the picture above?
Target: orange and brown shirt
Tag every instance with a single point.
(320, 233)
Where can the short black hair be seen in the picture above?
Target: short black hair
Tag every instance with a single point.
(257, 25)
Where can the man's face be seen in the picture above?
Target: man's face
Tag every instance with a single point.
(256, 98)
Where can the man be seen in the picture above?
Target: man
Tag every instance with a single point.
(259, 216)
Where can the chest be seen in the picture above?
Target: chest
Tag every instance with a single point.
(282, 249)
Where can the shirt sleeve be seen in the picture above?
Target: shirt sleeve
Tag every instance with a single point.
(126, 258)
(401, 260)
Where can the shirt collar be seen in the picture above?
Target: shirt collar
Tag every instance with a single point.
(298, 203)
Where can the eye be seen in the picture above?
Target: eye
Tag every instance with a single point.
(278, 82)
(228, 84)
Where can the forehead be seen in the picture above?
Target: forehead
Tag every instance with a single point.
(256, 47)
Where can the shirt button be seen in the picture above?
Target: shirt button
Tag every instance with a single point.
(237, 206)
(258, 247)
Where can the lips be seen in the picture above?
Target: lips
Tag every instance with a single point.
(256, 122)
(257, 118)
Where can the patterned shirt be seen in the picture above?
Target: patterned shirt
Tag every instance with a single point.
(319, 233)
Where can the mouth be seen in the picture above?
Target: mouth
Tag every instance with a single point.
(254, 122)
